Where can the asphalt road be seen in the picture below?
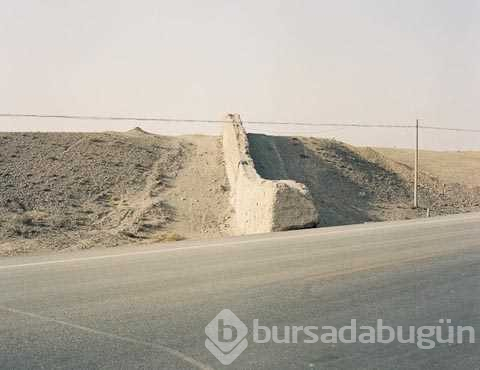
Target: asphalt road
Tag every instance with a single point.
(147, 307)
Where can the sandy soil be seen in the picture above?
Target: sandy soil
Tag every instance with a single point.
(200, 195)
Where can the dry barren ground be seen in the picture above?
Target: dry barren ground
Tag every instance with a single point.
(354, 185)
(65, 191)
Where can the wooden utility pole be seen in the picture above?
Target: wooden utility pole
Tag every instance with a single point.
(415, 186)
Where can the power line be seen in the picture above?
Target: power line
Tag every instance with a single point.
(109, 118)
(162, 119)
(269, 123)
(361, 125)
(311, 124)
(448, 129)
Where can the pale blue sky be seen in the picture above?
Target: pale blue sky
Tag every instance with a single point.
(378, 61)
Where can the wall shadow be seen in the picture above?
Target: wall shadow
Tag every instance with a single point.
(346, 188)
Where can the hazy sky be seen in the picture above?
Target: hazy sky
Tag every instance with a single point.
(377, 61)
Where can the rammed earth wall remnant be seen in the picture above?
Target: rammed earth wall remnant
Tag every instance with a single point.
(262, 205)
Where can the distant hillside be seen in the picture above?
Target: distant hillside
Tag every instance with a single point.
(448, 167)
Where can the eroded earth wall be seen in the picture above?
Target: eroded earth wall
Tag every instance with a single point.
(261, 205)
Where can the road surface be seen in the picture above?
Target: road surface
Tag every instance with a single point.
(147, 307)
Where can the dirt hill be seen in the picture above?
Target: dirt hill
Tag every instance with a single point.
(354, 185)
(76, 190)
(63, 191)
